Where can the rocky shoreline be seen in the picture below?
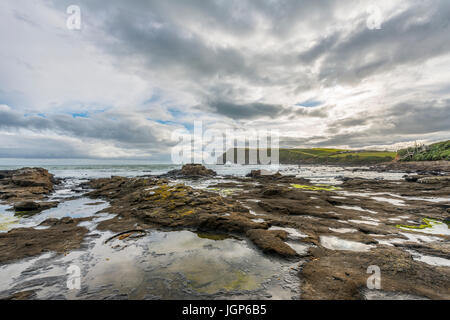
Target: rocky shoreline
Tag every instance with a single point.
(336, 231)
(27, 189)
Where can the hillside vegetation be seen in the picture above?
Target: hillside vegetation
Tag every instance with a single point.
(324, 156)
(433, 152)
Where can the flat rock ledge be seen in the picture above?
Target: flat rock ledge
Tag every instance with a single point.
(191, 171)
(25, 187)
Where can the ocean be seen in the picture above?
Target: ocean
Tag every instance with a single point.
(100, 168)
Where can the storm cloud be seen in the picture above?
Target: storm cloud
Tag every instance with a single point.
(318, 71)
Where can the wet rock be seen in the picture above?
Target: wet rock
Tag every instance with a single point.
(62, 236)
(34, 207)
(231, 224)
(430, 186)
(341, 275)
(293, 207)
(422, 167)
(370, 208)
(434, 180)
(272, 242)
(263, 173)
(27, 184)
(155, 203)
(411, 178)
(342, 178)
(270, 192)
(26, 206)
(191, 171)
(22, 295)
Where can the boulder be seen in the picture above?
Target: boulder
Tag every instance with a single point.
(263, 173)
(192, 171)
(27, 184)
(271, 242)
(31, 206)
(26, 206)
(33, 177)
(411, 178)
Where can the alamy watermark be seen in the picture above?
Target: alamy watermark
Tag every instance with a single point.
(74, 278)
(375, 18)
(374, 281)
(74, 19)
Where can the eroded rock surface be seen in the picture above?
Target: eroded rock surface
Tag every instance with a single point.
(344, 274)
(401, 226)
(272, 242)
(61, 236)
(148, 203)
(424, 167)
(192, 171)
(25, 185)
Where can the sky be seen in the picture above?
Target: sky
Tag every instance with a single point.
(324, 73)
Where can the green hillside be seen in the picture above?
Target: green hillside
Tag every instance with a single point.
(433, 152)
(325, 156)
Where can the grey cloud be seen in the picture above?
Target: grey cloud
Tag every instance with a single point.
(401, 122)
(320, 48)
(317, 112)
(172, 40)
(245, 111)
(419, 118)
(417, 34)
(256, 110)
(39, 147)
(123, 131)
(159, 33)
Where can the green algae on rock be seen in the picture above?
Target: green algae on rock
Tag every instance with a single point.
(431, 226)
(315, 188)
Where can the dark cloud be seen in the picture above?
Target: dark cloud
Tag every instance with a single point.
(123, 131)
(245, 60)
(245, 111)
(161, 34)
(417, 34)
(40, 147)
(249, 111)
(320, 48)
(408, 118)
(402, 122)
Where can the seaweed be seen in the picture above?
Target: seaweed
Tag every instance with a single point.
(315, 188)
(428, 223)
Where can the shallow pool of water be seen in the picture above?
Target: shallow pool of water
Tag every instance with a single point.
(431, 260)
(394, 202)
(335, 243)
(343, 230)
(292, 233)
(357, 209)
(160, 265)
(78, 208)
(435, 227)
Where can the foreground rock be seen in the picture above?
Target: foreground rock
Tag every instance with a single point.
(61, 236)
(263, 173)
(29, 207)
(25, 185)
(421, 167)
(272, 242)
(345, 229)
(361, 219)
(192, 171)
(153, 203)
(343, 275)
